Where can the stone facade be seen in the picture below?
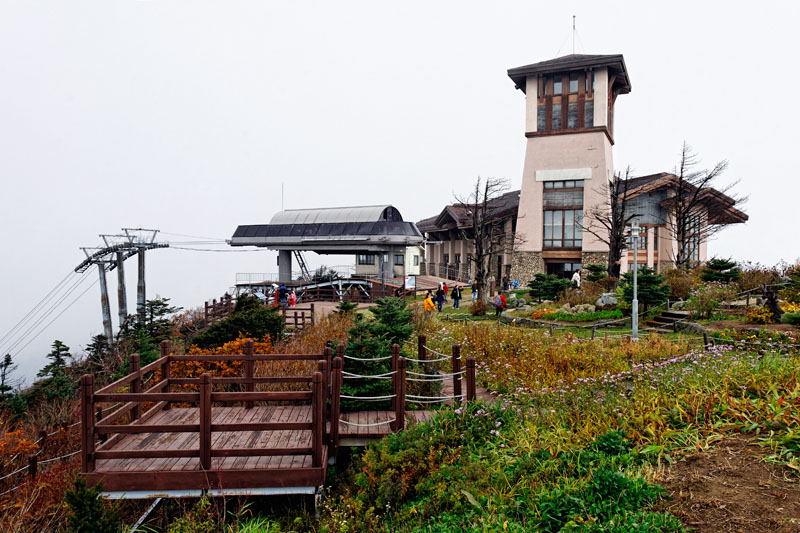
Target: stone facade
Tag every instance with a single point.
(594, 258)
(665, 265)
(524, 265)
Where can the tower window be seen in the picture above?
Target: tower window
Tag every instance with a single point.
(557, 89)
(588, 114)
(556, 122)
(572, 115)
(541, 118)
(573, 82)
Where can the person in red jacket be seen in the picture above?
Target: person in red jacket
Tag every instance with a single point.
(499, 304)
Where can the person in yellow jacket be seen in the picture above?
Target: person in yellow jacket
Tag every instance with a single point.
(428, 304)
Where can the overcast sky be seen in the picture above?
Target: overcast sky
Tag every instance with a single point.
(188, 116)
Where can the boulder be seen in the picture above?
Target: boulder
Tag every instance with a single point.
(607, 299)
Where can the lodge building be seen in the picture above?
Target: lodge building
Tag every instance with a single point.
(569, 130)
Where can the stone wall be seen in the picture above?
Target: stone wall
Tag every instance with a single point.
(524, 265)
(665, 265)
(594, 258)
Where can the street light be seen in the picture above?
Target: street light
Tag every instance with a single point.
(635, 302)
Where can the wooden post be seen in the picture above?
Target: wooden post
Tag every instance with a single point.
(395, 380)
(705, 338)
(551, 330)
(249, 366)
(470, 379)
(327, 355)
(400, 410)
(312, 314)
(136, 384)
(421, 347)
(456, 375)
(335, 391)
(316, 421)
(594, 330)
(87, 423)
(302, 318)
(32, 464)
(322, 367)
(165, 370)
(205, 421)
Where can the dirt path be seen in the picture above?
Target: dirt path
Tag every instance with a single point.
(731, 489)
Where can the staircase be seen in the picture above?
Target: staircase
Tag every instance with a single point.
(666, 321)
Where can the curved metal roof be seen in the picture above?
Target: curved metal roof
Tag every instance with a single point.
(331, 215)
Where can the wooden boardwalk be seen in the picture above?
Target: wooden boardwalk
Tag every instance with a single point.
(219, 434)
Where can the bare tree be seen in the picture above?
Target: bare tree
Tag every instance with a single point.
(485, 231)
(608, 221)
(688, 221)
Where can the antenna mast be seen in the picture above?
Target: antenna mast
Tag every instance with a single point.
(573, 34)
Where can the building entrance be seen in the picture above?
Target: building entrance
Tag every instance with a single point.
(562, 270)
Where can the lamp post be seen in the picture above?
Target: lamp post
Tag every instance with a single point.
(635, 302)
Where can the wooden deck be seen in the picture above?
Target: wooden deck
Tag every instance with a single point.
(219, 434)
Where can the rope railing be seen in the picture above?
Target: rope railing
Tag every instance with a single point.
(350, 375)
(367, 425)
(368, 359)
(369, 398)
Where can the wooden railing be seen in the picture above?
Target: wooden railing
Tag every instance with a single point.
(297, 317)
(96, 424)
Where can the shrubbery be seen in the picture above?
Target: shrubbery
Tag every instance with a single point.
(652, 288)
(255, 322)
(478, 308)
(609, 314)
(708, 297)
(547, 286)
(681, 282)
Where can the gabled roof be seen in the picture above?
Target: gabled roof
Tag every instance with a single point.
(614, 62)
(455, 216)
(721, 207)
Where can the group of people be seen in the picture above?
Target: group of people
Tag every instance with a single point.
(435, 301)
(286, 298)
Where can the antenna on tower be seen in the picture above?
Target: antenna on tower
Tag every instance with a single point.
(573, 34)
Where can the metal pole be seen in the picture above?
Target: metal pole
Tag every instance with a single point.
(105, 305)
(635, 302)
(122, 296)
(140, 287)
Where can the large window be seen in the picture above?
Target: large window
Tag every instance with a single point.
(572, 115)
(573, 82)
(541, 118)
(556, 122)
(398, 260)
(562, 228)
(588, 114)
(366, 259)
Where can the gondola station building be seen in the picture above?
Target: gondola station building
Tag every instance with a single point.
(569, 130)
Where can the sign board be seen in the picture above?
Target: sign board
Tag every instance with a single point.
(411, 283)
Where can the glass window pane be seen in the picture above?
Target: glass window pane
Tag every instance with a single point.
(572, 115)
(557, 85)
(541, 118)
(556, 123)
(558, 184)
(569, 224)
(557, 224)
(588, 114)
(573, 82)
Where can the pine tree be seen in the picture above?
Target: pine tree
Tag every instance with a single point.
(58, 360)
(547, 286)
(374, 340)
(88, 512)
(7, 366)
(652, 288)
(721, 270)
